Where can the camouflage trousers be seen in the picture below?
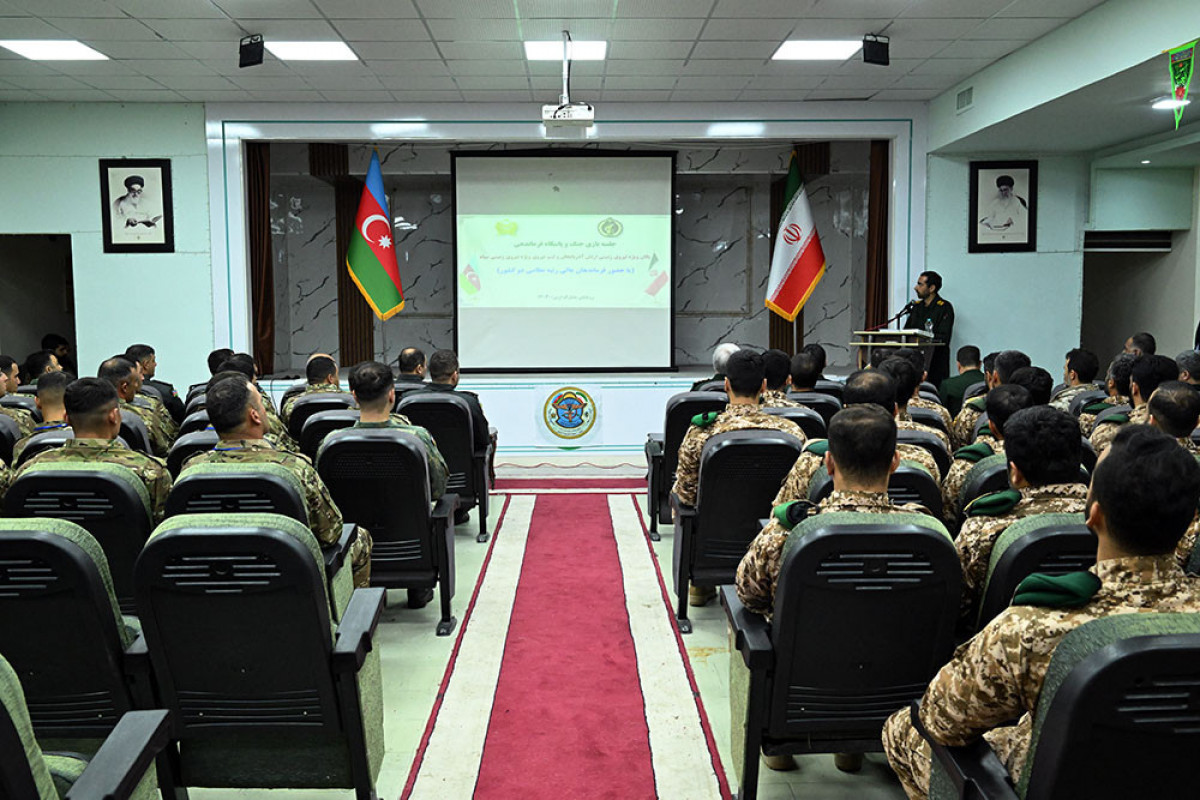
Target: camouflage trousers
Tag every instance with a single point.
(908, 753)
(360, 559)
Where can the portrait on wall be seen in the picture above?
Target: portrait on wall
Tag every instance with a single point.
(1003, 203)
(135, 202)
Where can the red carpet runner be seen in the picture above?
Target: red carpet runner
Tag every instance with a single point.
(568, 718)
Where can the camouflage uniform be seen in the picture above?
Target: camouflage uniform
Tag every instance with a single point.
(160, 441)
(963, 426)
(909, 425)
(777, 398)
(1183, 550)
(324, 517)
(165, 419)
(1062, 399)
(758, 573)
(285, 412)
(151, 470)
(22, 417)
(964, 459)
(997, 676)
(921, 402)
(735, 417)
(795, 485)
(1104, 433)
(983, 527)
(437, 464)
(6, 478)
(1087, 419)
(19, 447)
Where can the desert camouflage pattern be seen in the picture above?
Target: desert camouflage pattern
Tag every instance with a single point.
(1183, 551)
(795, 486)
(777, 398)
(160, 440)
(1062, 399)
(996, 677)
(1104, 433)
(909, 425)
(953, 484)
(963, 426)
(324, 517)
(434, 459)
(921, 402)
(758, 573)
(979, 534)
(313, 388)
(152, 471)
(1087, 422)
(23, 418)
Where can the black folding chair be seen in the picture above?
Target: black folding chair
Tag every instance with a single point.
(309, 404)
(46, 440)
(824, 404)
(320, 425)
(133, 431)
(908, 484)
(662, 450)
(928, 417)
(929, 442)
(831, 388)
(809, 421)
(187, 445)
(10, 432)
(195, 421)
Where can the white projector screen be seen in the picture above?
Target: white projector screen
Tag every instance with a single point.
(563, 262)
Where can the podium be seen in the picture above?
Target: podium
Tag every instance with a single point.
(868, 341)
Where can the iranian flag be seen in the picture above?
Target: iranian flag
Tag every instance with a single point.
(371, 257)
(798, 261)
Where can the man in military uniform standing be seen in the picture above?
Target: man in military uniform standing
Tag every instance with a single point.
(1144, 492)
(935, 315)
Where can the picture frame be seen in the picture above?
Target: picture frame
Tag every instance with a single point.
(135, 205)
(1003, 207)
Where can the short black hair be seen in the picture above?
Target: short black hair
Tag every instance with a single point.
(226, 402)
(52, 386)
(745, 372)
(218, 357)
(915, 357)
(87, 401)
(370, 381)
(52, 341)
(1188, 361)
(1119, 371)
(1083, 363)
(1045, 445)
(862, 439)
(6, 364)
(115, 370)
(906, 377)
(1006, 400)
(36, 363)
(1175, 406)
(138, 352)
(932, 279)
(776, 367)
(806, 371)
(220, 376)
(989, 361)
(880, 355)
(817, 352)
(1008, 362)
(410, 358)
(1038, 381)
(1148, 487)
(319, 369)
(870, 387)
(442, 364)
(1145, 342)
(239, 362)
(967, 356)
(1149, 371)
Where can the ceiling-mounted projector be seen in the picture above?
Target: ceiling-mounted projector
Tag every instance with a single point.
(577, 115)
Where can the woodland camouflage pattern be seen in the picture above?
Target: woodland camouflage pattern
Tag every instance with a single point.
(22, 417)
(1104, 433)
(19, 447)
(160, 439)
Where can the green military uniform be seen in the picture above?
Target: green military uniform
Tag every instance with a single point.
(313, 388)
(160, 440)
(437, 464)
(951, 390)
(22, 417)
(152, 471)
(937, 317)
(324, 517)
(19, 447)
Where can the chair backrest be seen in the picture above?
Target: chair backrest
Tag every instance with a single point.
(61, 628)
(988, 475)
(134, 432)
(975, 390)
(10, 432)
(186, 446)
(193, 390)
(824, 404)
(928, 388)
(320, 425)
(447, 417)
(831, 388)
(309, 404)
(910, 483)
(27, 388)
(1087, 455)
(403, 388)
(1112, 411)
(1116, 717)
(379, 479)
(711, 386)
(740, 472)
(981, 425)
(196, 402)
(26, 402)
(23, 771)
(195, 421)
(865, 610)
(809, 421)
(238, 488)
(107, 500)
(1052, 544)
(678, 418)
(1079, 401)
(152, 392)
(928, 417)
(297, 388)
(46, 440)
(928, 440)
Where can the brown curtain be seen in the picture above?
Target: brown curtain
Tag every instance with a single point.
(877, 234)
(262, 268)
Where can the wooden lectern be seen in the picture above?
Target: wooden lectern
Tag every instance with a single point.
(917, 339)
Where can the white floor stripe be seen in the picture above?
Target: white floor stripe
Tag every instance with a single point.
(455, 750)
(682, 764)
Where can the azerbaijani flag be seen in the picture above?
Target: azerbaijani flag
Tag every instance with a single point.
(798, 261)
(371, 257)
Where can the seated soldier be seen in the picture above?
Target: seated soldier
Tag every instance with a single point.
(236, 411)
(1188, 363)
(277, 433)
(218, 357)
(145, 357)
(321, 373)
(817, 352)
(1141, 344)
(124, 377)
(1144, 493)
(38, 363)
(720, 359)
(1035, 380)
(952, 389)
(50, 392)
(23, 418)
(411, 363)
(776, 368)
(1079, 374)
(1144, 377)
(917, 359)
(1002, 402)
(10, 374)
(1006, 363)
(805, 372)
(907, 380)
(93, 412)
(61, 348)
(1116, 383)
(1043, 449)
(1175, 409)
(165, 420)
(865, 386)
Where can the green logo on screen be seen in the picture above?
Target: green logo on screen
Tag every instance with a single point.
(610, 227)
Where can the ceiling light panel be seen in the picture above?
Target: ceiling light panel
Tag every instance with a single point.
(553, 51)
(311, 51)
(816, 50)
(52, 49)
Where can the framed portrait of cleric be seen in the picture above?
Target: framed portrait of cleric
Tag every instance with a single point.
(1003, 207)
(135, 205)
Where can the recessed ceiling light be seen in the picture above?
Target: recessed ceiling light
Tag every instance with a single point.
(553, 51)
(53, 49)
(736, 129)
(816, 50)
(311, 51)
(1147, 161)
(1168, 104)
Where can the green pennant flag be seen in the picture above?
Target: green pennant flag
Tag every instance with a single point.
(1181, 61)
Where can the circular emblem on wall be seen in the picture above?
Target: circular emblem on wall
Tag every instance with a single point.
(569, 413)
(610, 227)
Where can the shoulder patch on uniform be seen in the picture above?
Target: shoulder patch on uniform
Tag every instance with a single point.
(1096, 407)
(705, 419)
(818, 447)
(977, 403)
(1116, 419)
(941, 302)
(1072, 590)
(789, 515)
(994, 504)
(974, 453)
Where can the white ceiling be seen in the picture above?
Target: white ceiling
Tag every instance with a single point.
(470, 50)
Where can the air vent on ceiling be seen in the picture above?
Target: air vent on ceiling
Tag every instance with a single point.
(964, 99)
(1126, 241)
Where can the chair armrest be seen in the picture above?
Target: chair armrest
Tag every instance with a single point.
(682, 510)
(752, 632)
(656, 445)
(445, 507)
(335, 554)
(974, 769)
(354, 632)
(137, 656)
(118, 767)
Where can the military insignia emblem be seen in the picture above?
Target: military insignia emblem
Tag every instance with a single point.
(506, 227)
(610, 227)
(569, 413)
